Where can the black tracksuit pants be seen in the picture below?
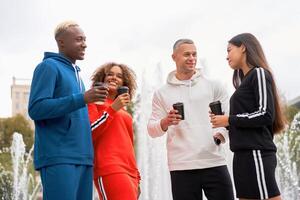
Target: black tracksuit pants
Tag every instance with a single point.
(215, 182)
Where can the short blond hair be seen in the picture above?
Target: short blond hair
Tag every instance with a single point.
(63, 26)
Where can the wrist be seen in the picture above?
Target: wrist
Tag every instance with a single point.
(163, 125)
(227, 120)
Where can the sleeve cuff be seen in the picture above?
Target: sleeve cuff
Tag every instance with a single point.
(79, 100)
(232, 120)
(111, 111)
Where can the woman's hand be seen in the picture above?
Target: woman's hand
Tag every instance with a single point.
(121, 101)
(219, 120)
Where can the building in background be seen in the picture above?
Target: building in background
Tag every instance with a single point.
(20, 89)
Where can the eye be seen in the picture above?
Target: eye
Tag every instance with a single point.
(120, 76)
(109, 74)
(80, 39)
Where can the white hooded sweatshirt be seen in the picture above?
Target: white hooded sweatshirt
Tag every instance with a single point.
(190, 144)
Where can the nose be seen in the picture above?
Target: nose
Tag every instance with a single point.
(84, 44)
(113, 76)
(192, 58)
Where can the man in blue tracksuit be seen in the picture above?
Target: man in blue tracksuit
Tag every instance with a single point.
(63, 150)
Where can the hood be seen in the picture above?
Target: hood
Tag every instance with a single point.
(59, 57)
(172, 80)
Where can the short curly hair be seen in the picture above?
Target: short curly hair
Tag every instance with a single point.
(129, 77)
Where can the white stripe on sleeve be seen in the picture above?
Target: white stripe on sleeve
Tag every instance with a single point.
(99, 121)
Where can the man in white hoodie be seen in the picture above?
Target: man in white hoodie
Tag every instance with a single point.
(195, 161)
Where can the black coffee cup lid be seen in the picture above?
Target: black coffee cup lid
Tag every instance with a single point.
(214, 103)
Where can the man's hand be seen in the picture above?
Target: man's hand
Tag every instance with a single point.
(220, 137)
(96, 93)
(173, 118)
(121, 101)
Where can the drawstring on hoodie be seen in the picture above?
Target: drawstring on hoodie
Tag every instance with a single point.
(190, 90)
(77, 70)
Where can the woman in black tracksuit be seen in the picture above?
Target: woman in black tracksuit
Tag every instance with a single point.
(255, 115)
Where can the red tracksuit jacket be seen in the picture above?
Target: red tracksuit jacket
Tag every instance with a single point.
(112, 133)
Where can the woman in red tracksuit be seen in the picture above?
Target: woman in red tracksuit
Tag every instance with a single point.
(115, 171)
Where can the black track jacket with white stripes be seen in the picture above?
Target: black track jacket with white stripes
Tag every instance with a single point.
(252, 113)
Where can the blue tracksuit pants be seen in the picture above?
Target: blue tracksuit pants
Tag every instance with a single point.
(67, 182)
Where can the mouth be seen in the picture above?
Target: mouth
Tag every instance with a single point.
(112, 83)
(191, 64)
(82, 53)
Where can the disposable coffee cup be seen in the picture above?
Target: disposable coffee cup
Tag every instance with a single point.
(180, 108)
(97, 84)
(122, 90)
(216, 108)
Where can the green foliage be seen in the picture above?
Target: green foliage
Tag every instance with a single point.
(6, 176)
(5, 184)
(15, 124)
(290, 112)
(5, 161)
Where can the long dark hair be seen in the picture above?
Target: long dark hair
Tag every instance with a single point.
(255, 57)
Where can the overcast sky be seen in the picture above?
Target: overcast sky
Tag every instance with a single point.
(141, 34)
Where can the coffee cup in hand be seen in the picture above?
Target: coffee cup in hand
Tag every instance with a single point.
(104, 86)
(122, 90)
(180, 108)
(216, 109)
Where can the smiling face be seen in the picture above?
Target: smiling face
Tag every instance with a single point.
(114, 79)
(72, 43)
(236, 56)
(185, 57)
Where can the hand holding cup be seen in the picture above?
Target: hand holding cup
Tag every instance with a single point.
(98, 93)
(122, 99)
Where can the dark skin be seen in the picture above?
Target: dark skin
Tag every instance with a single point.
(72, 44)
(114, 80)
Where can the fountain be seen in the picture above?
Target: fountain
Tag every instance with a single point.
(288, 174)
(20, 182)
(151, 153)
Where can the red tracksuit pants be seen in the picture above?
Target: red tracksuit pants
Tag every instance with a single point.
(116, 187)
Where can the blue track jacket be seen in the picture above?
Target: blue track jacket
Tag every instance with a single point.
(56, 104)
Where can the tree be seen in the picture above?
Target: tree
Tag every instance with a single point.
(15, 124)
(290, 112)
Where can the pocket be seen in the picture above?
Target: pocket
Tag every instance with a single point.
(192, 138)
(66, 126)
(78, 135)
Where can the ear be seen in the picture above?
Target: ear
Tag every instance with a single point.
(60, 42)
(173, 57)
(243, 48)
